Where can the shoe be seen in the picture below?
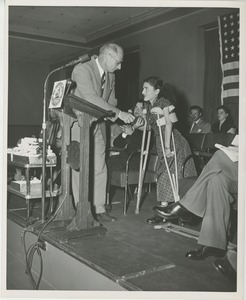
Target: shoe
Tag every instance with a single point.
(224, 267)
(172, 211)
(155, 220)
(105, 217)
(203, 252)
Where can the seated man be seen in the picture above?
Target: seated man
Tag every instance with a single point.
(209, 198)
(130, 140)
(198, 124)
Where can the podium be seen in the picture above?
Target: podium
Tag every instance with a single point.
(83, 223)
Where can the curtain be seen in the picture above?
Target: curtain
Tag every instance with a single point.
(212, 76)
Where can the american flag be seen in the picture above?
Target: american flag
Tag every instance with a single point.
(229, 49)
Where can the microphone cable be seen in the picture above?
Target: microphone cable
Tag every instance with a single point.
(38, 246)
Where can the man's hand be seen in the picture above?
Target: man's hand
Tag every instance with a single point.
(126, 117)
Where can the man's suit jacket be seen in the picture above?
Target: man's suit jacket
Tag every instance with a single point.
(201, 127)
(88, 81)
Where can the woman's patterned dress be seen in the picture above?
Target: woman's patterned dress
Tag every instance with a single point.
(164, 189)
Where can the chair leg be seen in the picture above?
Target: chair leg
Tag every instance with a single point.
(108, 205)
(125, 200)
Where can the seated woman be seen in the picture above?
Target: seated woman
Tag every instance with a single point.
(153, 92)
(225, 122)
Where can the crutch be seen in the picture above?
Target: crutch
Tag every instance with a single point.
(173, 118)
(143, 160)
(174, 184)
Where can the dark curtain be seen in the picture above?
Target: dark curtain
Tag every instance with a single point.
(127, 80)
(212, 76)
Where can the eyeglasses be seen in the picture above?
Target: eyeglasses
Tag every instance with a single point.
(118, 61)
(194, 114)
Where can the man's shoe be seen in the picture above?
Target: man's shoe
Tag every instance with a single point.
(203, 252)
(224, 267)
(155, 220)
(105, 217)
(172, 211)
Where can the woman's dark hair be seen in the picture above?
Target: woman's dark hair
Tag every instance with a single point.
(226, 110)
(156, 82)
(166, 90)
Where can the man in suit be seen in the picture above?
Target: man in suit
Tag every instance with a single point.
(198, 124)
(210, 198)
(95, 82)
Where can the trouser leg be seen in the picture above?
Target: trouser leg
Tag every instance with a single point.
(100, 173)
(195, 200)
(216, 218)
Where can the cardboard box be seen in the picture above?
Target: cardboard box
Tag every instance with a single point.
(20, 186)
(34, 159)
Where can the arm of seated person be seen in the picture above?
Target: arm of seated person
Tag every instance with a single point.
(232, 130)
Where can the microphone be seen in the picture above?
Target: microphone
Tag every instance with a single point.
(80, 59)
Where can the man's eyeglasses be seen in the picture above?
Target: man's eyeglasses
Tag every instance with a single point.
(118, 61)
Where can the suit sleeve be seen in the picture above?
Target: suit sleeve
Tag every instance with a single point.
(207, 128)
(120, 142)
(88, 90)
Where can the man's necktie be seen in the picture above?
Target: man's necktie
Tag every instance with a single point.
(103, 81)
(193, 127)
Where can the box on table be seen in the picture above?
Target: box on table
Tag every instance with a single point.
(33, 159)
(20, 186)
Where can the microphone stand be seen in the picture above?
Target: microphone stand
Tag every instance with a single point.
(44, 143)
(82, 58)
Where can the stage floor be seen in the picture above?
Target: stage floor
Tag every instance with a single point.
(135, 255)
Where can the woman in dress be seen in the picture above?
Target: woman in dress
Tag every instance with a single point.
(225, 122)
(155, 95)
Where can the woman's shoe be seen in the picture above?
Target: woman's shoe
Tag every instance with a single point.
(155, 220)
(173, 211)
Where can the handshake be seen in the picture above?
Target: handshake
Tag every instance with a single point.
(126, 117)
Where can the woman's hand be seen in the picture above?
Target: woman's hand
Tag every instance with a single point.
(161, 121)
(138, 123)
(168, 153)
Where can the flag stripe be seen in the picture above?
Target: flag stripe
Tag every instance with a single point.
(230, 93)
(231, 99)
(229, 79)
(231, 72)
(231, 85)
(231, 65)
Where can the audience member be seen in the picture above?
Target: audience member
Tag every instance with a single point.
(210, 198)
(225, 122)
(198, 124)
(130, 140)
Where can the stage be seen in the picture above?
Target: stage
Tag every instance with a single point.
(131, 256)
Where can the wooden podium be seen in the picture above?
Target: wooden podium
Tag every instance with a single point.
(83, 223)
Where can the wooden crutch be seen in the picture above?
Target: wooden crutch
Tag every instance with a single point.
(173, 118)
(143, 160)
(158, 111)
